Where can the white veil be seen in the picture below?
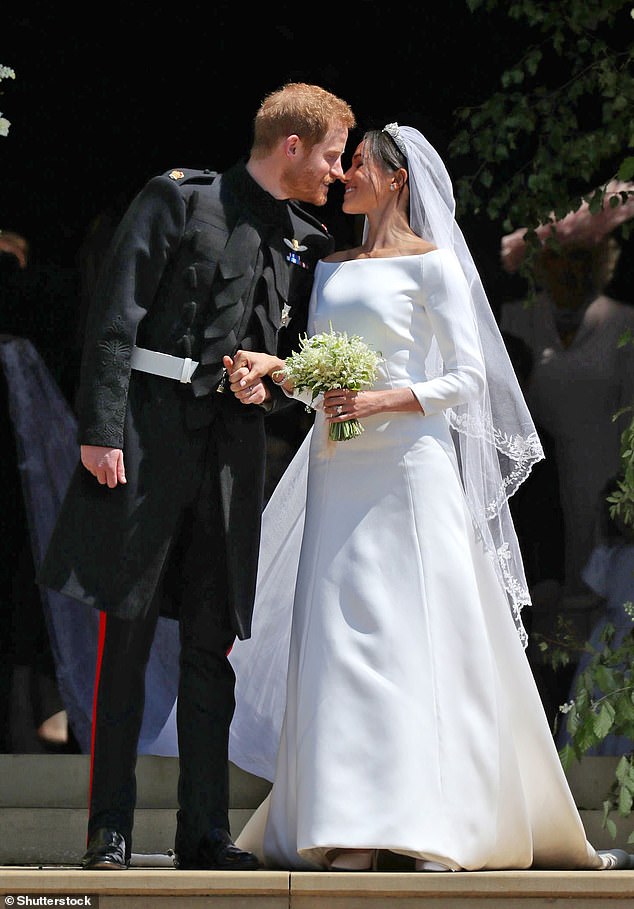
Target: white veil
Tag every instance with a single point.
(496, 438)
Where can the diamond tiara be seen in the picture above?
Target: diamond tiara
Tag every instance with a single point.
(392, 130)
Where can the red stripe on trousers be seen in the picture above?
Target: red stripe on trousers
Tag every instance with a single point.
(100, 645)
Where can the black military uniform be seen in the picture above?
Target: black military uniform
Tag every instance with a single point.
(202, 264)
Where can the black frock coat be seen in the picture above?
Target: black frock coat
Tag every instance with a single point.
(200, 265)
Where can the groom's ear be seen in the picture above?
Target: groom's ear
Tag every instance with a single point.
(291, 145)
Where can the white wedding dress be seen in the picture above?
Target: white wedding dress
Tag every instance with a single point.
(410, 720)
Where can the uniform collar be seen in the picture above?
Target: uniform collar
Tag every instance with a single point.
(267, 208)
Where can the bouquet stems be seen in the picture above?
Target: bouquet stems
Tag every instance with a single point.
(349, 429)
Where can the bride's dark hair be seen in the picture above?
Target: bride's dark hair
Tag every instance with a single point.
(380, 146)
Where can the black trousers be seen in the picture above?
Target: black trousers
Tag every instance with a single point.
(196, 576)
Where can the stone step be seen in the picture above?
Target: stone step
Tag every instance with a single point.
(43, 799)
(43, 806)
(50, 836)
(171, 889)
(62, 781)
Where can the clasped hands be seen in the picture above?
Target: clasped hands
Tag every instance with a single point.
(247, 369)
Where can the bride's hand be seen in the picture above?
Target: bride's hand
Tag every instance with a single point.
(345, 404)
(246, 371)
(342, 404)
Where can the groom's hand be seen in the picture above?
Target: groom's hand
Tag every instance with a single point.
(244, 381)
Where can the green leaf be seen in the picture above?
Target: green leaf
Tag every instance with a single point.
(625, 801)
(626, 169)
(567, 756)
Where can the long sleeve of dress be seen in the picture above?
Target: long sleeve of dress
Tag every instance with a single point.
(446, 301)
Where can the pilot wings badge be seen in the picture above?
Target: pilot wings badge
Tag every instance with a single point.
(295, 245)
(294, 255)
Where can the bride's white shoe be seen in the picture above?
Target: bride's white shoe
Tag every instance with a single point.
(424, 865)
(352, 859)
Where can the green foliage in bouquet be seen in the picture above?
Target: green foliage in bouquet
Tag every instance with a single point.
(333, 360)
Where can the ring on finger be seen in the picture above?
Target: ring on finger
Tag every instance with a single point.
(339, 409)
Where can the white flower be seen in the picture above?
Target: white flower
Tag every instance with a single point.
(333, 360)
(4, 126)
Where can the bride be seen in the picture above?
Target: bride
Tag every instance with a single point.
(385, 691)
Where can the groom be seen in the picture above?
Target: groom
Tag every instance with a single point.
(202, 264)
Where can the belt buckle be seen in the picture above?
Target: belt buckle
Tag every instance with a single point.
(186, 371)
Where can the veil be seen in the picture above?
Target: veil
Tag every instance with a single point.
(495, 438)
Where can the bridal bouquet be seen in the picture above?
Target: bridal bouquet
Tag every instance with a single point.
(333, 360)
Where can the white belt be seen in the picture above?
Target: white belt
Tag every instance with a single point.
(161, 364)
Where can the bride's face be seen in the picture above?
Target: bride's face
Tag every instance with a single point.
(366, 184)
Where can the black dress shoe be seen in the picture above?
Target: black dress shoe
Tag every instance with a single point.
(217, 852)
(106, 852)
(617, 860)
